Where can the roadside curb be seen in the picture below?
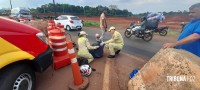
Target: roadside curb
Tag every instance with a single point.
(106, 76)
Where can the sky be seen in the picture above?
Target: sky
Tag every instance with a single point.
(134, 6)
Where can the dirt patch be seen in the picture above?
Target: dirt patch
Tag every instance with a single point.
(120, 70)
(41, 25)
(173, 21)
(168, 70)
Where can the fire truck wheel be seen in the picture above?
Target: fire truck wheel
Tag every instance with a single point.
(17, 77)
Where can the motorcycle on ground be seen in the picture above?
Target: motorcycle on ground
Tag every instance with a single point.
(146, 34)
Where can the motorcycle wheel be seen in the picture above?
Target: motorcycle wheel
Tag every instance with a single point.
(163, 32)
(147, 36)
(127, 34)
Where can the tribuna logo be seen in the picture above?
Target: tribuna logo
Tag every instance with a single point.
(181, 78)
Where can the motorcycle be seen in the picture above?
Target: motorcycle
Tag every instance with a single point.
(161, 30)
(146, 34)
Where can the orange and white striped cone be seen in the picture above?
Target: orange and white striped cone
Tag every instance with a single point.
(60, 25)
(51, 25)
(57, 40)
(80, 83)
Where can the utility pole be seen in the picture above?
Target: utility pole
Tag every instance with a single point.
(10, 4)
(63, 8)
(43, 9)
(54, 8)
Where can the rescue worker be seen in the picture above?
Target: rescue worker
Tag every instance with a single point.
(115, 44)
(103, 23)
(84, 45)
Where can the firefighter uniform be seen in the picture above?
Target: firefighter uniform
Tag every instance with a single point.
(115, 43)
(84, 45)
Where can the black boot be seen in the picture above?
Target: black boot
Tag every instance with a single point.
(117, 52)
(111, 56)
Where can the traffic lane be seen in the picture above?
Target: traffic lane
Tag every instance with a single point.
(139, 47)
(133, 45)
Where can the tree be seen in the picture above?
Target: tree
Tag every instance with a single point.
(113, 7)
(112, 10)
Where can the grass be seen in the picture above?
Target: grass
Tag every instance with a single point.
(172, 32)
(90, 23)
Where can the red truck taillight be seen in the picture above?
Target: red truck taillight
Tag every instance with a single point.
(71, 21)
(42, 37)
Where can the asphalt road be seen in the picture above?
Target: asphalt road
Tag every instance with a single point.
(110, 74)
(134, 46)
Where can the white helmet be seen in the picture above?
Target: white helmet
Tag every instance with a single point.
(85, 70)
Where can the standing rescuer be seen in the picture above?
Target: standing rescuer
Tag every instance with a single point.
(84, 45)
(115, 44)
(103, 23)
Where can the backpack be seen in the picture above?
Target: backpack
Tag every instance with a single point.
(82, 61)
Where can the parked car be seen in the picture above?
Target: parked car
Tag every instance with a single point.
(23, 51)
(70, 22)
(21, 12)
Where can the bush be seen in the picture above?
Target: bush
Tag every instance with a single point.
(89, 23)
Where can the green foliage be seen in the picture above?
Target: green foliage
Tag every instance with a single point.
(173, 32)
(79, 10)
(112, 10)
(89, 23)
(165, 13)
(5, 11)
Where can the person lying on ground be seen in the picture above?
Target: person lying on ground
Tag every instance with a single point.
(97, 53)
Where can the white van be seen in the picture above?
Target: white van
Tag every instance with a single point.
(21, 12)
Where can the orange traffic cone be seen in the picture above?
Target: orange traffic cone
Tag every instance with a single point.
(79, 82)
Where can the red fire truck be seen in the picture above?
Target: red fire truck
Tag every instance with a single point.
(23, 51)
